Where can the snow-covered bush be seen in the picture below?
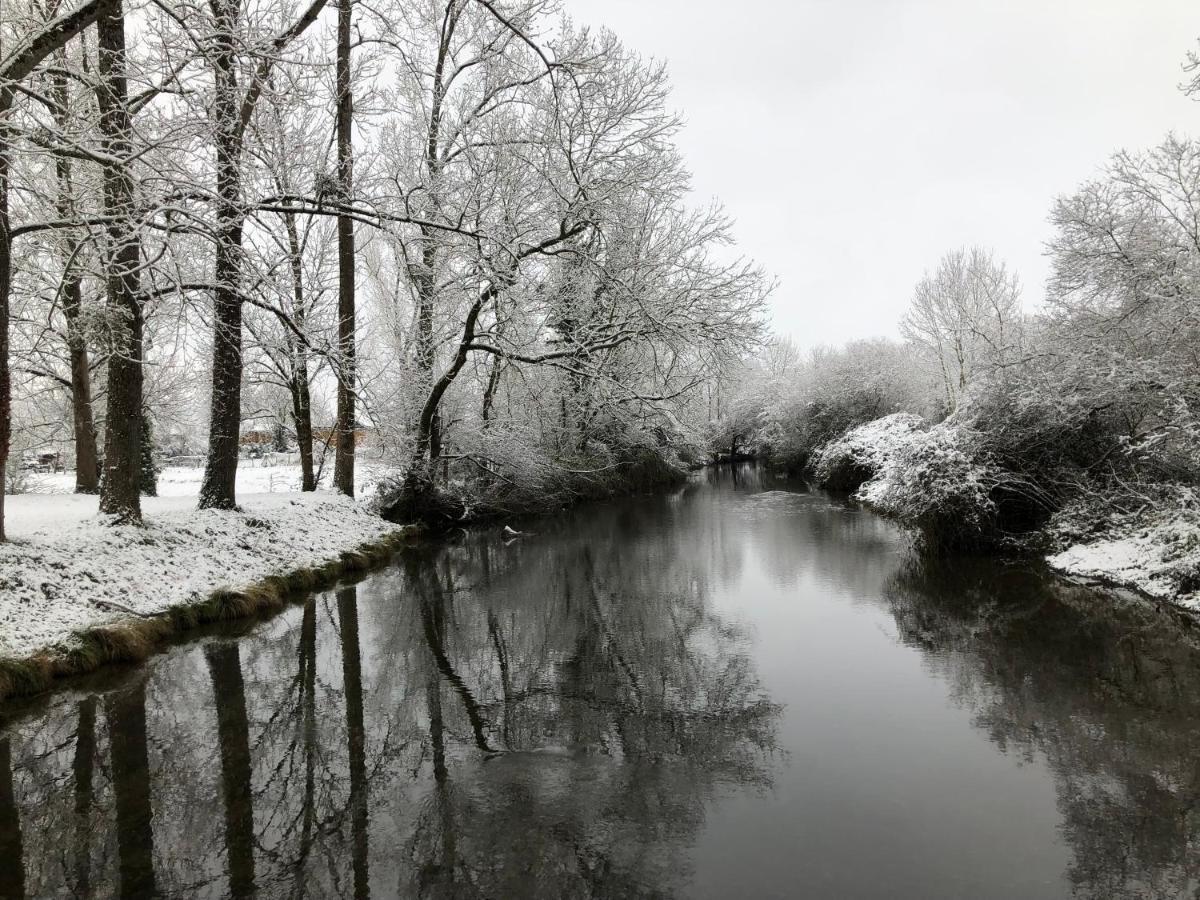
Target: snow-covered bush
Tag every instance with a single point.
(936, 481)
(858, 455)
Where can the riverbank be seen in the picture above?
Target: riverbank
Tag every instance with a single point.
(1155, 552)
(76, 593)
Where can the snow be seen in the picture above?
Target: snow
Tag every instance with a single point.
(63, 564)
(1160, 558)
(253, 477)
(869, 446)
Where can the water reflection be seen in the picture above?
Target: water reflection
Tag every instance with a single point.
(574, 713)
(482, 720)
(1108, 693)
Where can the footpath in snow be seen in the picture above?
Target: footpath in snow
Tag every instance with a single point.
(65, 570)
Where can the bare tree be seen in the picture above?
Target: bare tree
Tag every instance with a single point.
(232, 110)
(15, 66)
(343, 466)
(965, 317)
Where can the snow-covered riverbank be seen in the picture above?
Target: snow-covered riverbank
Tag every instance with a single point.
(64, 571)
(1158, 555)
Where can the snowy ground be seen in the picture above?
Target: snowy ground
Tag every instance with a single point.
(63, 565)
(253, 477)
(1160, 557)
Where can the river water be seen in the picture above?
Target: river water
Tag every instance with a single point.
(737, 690)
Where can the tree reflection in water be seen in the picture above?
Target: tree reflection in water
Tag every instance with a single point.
(555, 716)
(606, 719)
(480, 721)
(1106, 690)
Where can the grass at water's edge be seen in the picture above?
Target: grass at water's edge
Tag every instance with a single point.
(134, 639)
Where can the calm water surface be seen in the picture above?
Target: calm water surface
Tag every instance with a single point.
(738, 690)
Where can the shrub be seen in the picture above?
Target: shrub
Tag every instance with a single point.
(935, 482)
(856, 457)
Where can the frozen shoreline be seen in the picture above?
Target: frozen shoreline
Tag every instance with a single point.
(65, 571)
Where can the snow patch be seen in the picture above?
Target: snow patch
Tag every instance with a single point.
(863, 451)
(64, 564)
(1160, 558)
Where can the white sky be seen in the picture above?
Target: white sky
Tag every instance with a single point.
(855, 141)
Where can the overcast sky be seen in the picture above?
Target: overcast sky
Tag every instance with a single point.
(855, 141)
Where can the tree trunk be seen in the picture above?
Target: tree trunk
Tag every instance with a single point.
(233, 734)
(489, 392)
(425, 347)
(87, 457)
(298, 385)
(302, 417)
(5, 289)
(146, 457)
(87, 463)
(120, 489)
(218, 488)
(343, 465)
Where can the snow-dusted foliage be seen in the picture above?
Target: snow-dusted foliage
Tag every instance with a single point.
(934, 480)
(863, 452)
(786, 404)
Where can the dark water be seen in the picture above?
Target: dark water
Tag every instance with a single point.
(733, 691)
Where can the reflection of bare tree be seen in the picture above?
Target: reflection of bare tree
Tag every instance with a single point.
(550, 718)
(233, 733)
(347, 600)
(1106, 688)
(308, 733)
(619, 714)
(12, 872)
(125, 711)
(82, 767)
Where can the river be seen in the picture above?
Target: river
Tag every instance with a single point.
(739, 689)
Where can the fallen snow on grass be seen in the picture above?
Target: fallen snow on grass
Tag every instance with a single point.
(1160, 558)
(64, 565)
(253, 477)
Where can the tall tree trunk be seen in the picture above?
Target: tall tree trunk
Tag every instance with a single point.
(218, 487)
(298, 385)
(87, 457)
(426, 353)
(126, 715)
(5, 289)
(120, 489)
(233, 733)
(489, 392)
(302, 417)
(87, 462)
(146, 457)
(12, 872)
(343, 465)
(356, 737)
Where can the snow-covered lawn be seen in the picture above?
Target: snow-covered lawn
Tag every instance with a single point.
(63, 566)
(253, 477)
